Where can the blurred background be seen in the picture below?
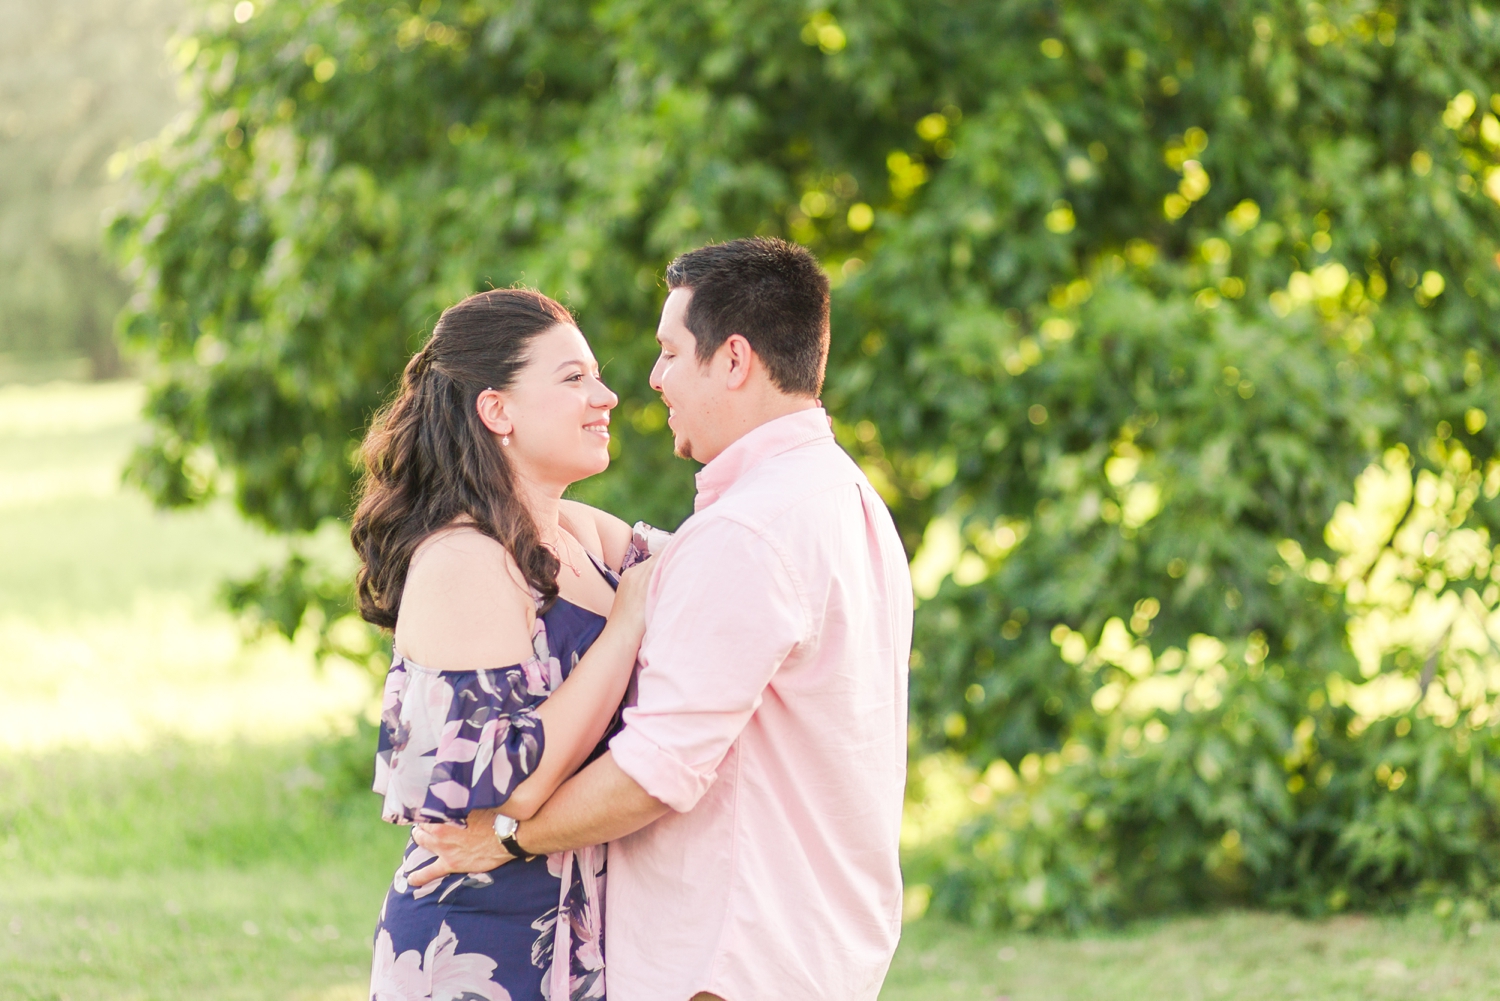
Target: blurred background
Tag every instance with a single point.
(1167, 332)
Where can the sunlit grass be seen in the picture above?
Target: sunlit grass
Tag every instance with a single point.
(164, 669)
(1234, 957)
(75, 541)
(190, 871)
(283, 933)
(111, 634)
(166, 828)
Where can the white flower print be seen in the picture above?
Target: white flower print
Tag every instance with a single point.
(443, 974)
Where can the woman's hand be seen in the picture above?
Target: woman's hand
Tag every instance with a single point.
(629, 609)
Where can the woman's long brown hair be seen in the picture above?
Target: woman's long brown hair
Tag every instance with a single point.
(429, 459)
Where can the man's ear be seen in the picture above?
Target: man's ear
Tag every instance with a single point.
(491, 406)
(740, 357)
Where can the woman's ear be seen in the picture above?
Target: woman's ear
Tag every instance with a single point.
(491, 406)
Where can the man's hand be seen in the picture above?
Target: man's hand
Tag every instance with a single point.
(598, 805)
(459, 849)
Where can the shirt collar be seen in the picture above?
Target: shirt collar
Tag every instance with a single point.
(755, 446)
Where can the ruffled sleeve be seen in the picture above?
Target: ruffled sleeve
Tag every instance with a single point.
(455, 741)
(645, 542)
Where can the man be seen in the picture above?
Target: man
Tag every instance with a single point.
(753, 799)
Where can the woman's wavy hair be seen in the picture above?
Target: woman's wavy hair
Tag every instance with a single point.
(429, 459)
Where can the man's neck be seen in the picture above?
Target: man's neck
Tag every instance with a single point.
(769, 407)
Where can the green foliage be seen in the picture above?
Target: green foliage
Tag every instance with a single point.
(1205, 814)
(1128, 296)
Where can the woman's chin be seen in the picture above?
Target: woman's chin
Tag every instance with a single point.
(591, 465)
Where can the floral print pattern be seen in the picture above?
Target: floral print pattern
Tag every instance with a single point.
(580, 935)
(455, 741)
(441, 974)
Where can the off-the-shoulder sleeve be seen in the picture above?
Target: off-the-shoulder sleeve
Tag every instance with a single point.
(455, 741)
(645, 542)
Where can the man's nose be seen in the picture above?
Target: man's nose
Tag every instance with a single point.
(655, 380)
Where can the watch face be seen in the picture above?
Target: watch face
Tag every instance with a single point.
(505, 826)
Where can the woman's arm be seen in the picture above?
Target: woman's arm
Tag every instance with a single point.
(464, 609)
(577, 714)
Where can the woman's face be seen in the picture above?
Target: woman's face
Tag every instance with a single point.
(557, 411)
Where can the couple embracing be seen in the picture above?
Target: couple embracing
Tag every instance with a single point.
(747, 797)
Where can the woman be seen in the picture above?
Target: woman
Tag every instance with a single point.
(505, 675)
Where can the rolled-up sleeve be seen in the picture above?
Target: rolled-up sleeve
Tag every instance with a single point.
(725, 615)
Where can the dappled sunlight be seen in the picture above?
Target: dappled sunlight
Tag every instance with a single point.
(1418, 638)
(940, 796)
(112, 638)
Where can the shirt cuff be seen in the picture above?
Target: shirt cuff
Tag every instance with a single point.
(662, 776)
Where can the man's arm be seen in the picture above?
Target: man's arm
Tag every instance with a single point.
(599, 804)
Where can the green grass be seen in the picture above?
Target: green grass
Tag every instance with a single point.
(1234, 957)
(271, 932)
(189, 871)
(176, 823)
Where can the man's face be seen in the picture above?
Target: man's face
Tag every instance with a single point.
(686, 387)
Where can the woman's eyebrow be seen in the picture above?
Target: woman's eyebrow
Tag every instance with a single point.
(572, 361)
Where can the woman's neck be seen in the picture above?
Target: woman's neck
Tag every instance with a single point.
(545, 504)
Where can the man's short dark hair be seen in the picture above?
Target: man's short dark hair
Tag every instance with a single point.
(772, 293)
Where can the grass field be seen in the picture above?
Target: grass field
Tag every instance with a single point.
(183, 814)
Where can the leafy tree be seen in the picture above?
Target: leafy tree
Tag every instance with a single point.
(1128, 295)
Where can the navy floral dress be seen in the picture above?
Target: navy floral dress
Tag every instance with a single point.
(455, 741)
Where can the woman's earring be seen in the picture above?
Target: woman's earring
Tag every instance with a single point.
(505, 439)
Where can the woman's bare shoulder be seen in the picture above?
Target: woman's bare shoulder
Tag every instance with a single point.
(465, 605)
(611, 534)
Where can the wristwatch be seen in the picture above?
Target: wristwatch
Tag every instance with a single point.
(505, 831)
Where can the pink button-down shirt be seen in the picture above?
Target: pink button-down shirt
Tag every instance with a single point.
(771, 717)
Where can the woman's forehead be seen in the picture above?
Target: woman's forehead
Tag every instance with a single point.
(559, 345)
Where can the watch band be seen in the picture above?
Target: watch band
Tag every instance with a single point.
(510, 844)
